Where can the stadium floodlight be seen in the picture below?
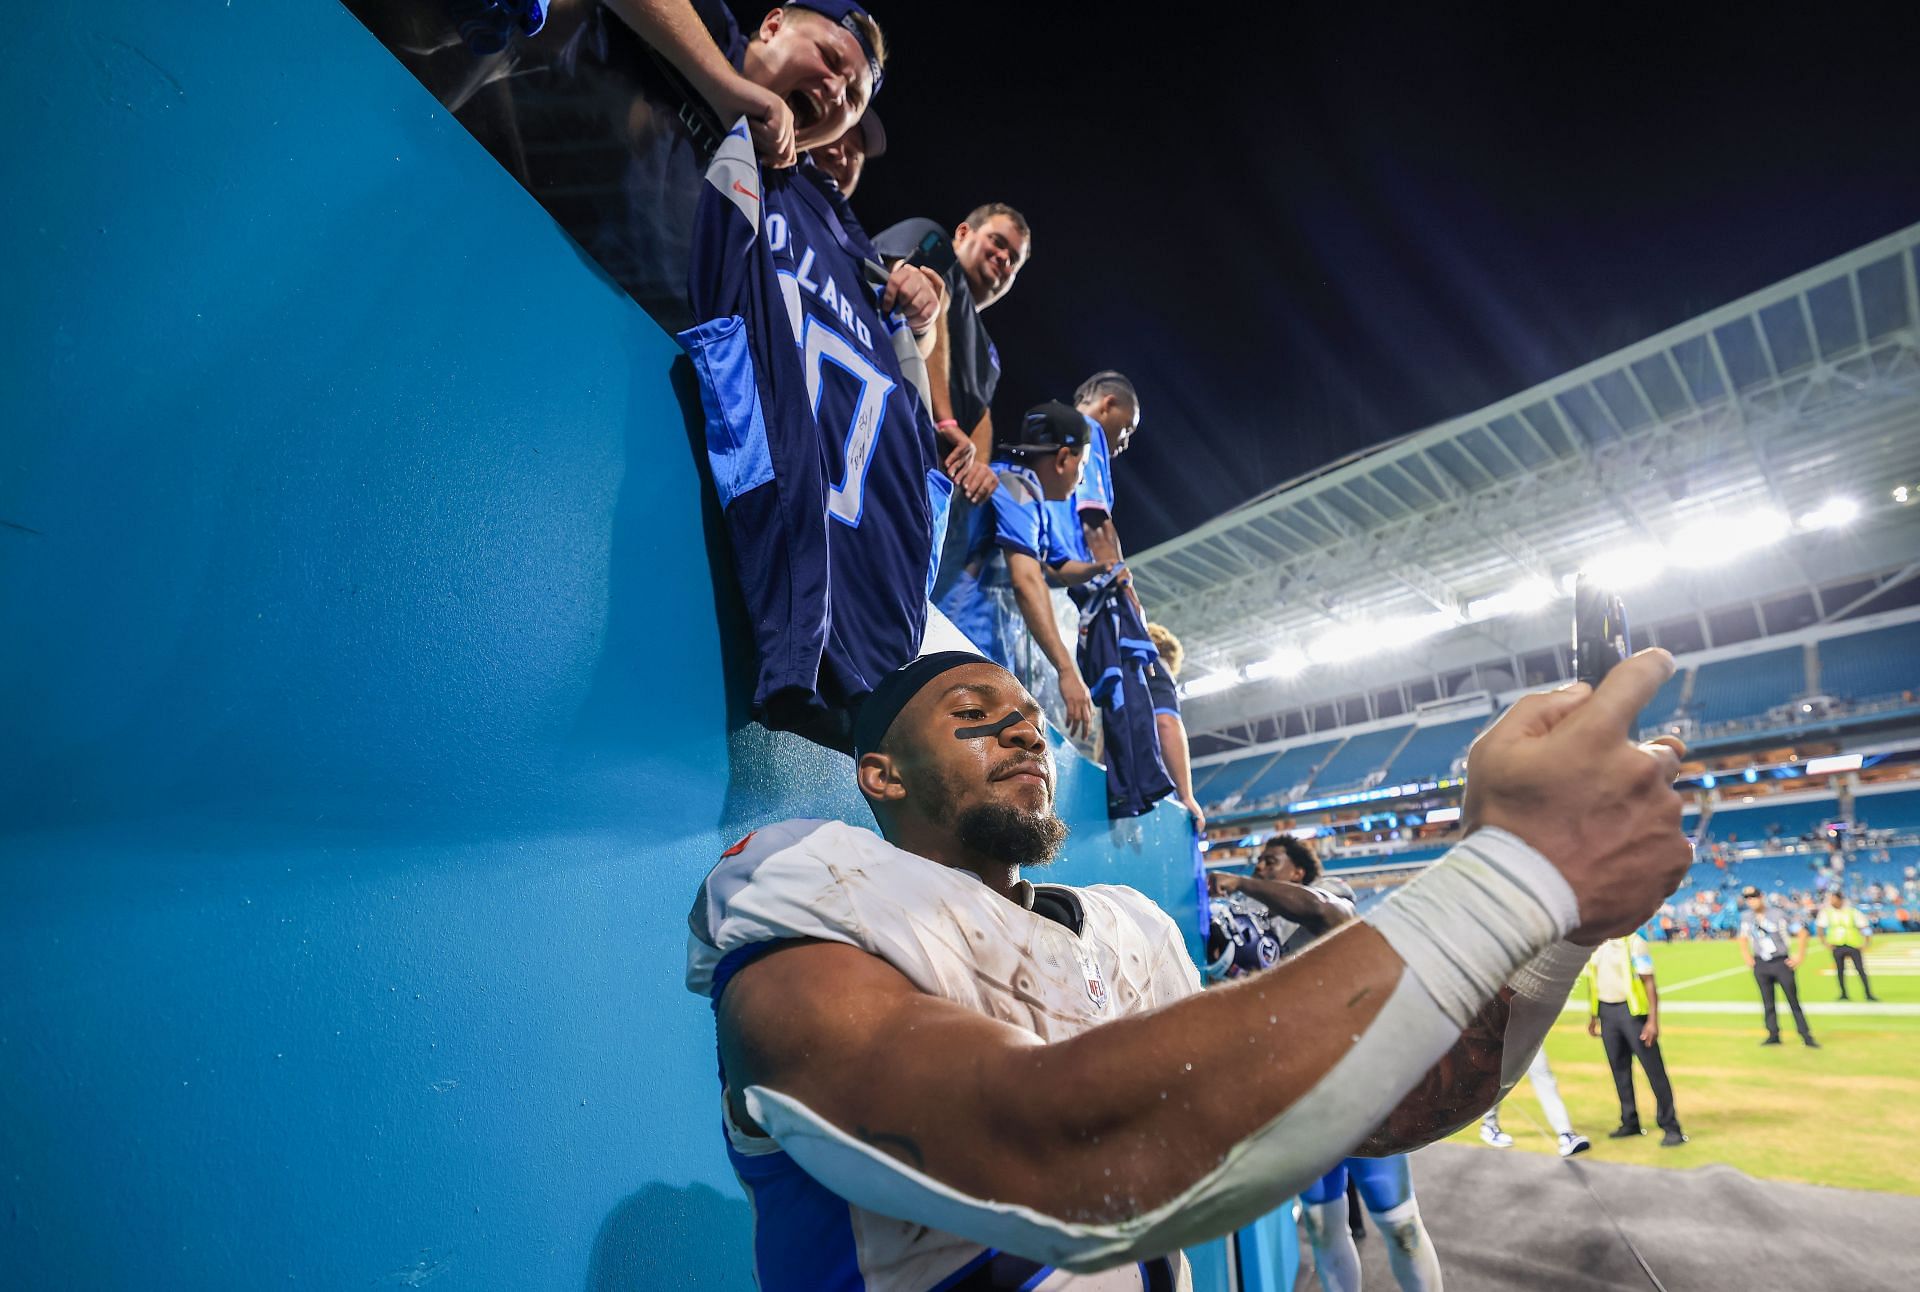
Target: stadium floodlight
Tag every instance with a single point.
(1708, 781)
(1288, 661)
(1626, 567)
(1831, 514)
(1348, 642)
(1532, 594)
(1211, 684)
(1716, 540)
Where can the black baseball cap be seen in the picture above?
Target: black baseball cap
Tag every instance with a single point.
(1046, 428)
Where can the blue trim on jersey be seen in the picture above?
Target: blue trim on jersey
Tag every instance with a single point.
(1144, 648)
(802, 1232)
(736, 960)
(730, 395)
(1096, 479)
(1171, 713)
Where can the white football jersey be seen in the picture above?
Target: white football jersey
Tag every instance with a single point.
(953, 937)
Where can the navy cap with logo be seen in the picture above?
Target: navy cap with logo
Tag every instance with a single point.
(845, 12)
(1045, 428)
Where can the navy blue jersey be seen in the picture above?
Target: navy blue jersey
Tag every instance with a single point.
(1165, 691)
(822, 447)
(1115, 656)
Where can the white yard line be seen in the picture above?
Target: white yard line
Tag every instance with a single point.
(1665, 990)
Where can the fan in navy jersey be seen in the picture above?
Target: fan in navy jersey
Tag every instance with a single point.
(1014, 548)
(818, 432)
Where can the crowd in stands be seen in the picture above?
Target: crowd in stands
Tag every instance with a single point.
(846, 381)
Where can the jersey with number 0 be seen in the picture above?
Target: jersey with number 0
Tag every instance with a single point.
(1076, 958)
(818, 433)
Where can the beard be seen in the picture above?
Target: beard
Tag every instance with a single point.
(999, 832)
(1009, 835)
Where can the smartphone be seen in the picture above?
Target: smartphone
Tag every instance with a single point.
(1599, 630)
(935, 252)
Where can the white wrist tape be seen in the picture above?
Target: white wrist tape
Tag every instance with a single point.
(1540, 989)
(1478, 914)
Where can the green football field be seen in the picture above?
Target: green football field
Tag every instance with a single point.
(1847, 1114)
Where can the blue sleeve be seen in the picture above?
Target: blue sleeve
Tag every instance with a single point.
(1017, 524)
(1096, 481)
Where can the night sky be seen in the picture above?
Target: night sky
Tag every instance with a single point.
(1304, 233)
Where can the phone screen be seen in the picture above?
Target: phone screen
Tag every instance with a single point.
(934, 252)
(1599, 630)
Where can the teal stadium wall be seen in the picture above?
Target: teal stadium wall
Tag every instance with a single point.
(366, 730)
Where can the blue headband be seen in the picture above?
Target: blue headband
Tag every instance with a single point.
(843, 13)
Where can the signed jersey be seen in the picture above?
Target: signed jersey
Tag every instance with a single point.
(818, 434)
(1076, 958)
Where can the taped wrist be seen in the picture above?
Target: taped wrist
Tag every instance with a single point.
(1480, 913)
(1540, 990)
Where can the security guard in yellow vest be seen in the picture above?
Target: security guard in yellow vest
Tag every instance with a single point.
(1846, 933)
(1623, 1010)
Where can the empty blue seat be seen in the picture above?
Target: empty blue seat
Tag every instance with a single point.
(1360, 755)
(1430, 751)
(1749, 686)
(1287, 772)
(1883, 662)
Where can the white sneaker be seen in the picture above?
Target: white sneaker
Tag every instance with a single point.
(1572, 1142)
(1492, 1134)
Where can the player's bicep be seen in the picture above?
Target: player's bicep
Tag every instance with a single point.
(908, 1074)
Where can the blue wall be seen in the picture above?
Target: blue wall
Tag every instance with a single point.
(366, 731)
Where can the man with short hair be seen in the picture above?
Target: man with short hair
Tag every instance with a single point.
(979, 260)
(937, 1073)
(1000, 600)
(1846, 933)
(1623, 1010)
(1764, 937)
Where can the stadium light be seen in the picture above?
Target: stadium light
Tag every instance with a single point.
(1211, 684)
(1288, 661)
(1626, 567)
(1716, 540)
(1358, 640)
(1533, 594)
(1707, 782)
(1837, 763)
(1902, 494)
(1831, 514)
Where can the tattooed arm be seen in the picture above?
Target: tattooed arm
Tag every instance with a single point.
(1453, 1093)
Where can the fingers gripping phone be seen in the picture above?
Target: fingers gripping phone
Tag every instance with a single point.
(1599, 630)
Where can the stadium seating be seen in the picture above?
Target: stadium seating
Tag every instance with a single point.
(1897, 811)
(1430, 752)
(1287, 771)
(1872, 664)
(1223, 780)
(1746, 687)
(1665, 701)
(1750, 823)
(1360, 755)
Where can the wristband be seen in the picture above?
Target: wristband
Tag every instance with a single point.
(946, 423)
(1481, 912)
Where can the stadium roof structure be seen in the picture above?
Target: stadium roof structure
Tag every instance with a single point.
(1748, 453)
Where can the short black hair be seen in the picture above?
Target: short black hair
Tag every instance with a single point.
(1299, 852)
(1107, 382)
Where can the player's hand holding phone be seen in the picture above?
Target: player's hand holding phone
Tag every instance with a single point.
(1562, 771)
